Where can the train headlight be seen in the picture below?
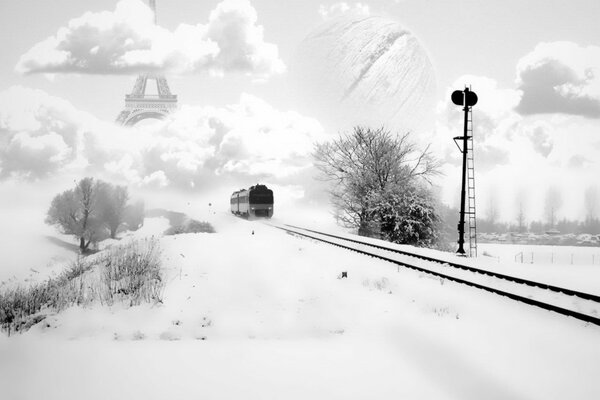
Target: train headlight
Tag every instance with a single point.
(252, 208)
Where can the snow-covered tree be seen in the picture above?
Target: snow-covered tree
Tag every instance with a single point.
(408, 215)
(371, 169)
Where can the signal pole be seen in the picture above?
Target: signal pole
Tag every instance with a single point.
(468, 99)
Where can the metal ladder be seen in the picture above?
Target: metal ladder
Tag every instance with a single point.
(470, 206)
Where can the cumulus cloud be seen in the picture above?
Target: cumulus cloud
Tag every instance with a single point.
(515, 153)
(42, 136)
(493, 119)
(343, 8)
(560, 77)
(39, 134)
(541, 139)
(577, 161)
(126, 41)
(250, 139)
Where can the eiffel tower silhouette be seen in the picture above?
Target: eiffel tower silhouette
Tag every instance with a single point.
(139, 105)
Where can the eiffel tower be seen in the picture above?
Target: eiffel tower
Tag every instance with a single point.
(139, 105)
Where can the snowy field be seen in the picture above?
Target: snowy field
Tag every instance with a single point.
(544, 255)
(31, 250)
(264, 316)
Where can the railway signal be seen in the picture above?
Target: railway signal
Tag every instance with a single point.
(467, 99)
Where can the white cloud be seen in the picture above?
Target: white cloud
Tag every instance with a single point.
(44, 136)
(343, 8)
(39, 134)
(493, 119)
(560, 77)
(126, 41)
(37, 155)
(515, 153)
(156, 179)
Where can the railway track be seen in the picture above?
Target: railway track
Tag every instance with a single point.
(580, 305)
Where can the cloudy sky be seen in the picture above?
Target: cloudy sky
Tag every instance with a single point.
(260, 81)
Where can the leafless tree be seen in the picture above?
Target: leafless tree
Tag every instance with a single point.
(366, 163)
(492, 212)
(552, 205)
(74, 212)
(521, 220)
(591, 203)
(111, 206)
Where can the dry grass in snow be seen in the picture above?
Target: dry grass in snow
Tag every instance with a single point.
(128, 273)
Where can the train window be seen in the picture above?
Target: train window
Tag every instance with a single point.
(261, 197)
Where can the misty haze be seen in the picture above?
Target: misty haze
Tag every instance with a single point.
(265, 199)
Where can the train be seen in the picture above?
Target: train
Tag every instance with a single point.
(257, 201)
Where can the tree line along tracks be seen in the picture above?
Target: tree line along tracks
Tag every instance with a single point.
(568, 302)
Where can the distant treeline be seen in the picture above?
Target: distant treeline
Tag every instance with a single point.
(485, 225)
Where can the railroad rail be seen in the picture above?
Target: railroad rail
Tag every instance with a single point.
(595, 299)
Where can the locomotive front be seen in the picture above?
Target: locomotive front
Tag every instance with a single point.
(260, 201)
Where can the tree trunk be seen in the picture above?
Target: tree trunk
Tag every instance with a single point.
(364, 229)
(83, 245)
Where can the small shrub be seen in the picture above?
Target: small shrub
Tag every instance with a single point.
(138, 335)
(130, 272)
(190, 226)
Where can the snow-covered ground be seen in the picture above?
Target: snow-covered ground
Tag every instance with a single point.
(543, 255)
(264, 316)
(30, 249)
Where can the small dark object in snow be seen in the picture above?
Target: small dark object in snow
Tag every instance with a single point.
(253, 232)
(343, 275)
(181, 254)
